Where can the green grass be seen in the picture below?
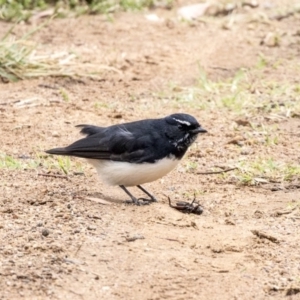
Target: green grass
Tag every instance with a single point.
(15, 58)
(263, 102)
(9, 162)
(248, 92)
(62, 164)
(191, 166)
(17, 10)
(64, 94)
(23, 59)
(264, 170)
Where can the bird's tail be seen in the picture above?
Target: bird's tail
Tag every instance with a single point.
(58, 151)
(68, 151)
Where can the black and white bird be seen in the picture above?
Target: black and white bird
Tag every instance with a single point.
(135, 153)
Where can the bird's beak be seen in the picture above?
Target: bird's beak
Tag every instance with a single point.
(198, 130)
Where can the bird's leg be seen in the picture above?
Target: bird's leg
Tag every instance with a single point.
(152, 198)
(133, 199)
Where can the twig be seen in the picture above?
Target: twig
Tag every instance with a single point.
(99, 200)
(168, 239)
(216, 172)
(284, 212)
(263, 235)
(78, 249)
(69, 290)
(53, 175)
(286, 15)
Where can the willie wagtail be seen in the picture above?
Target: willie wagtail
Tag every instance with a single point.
(135, 153)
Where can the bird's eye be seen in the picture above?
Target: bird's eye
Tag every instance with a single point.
(183, 127)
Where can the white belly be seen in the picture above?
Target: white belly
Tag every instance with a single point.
(129, 174)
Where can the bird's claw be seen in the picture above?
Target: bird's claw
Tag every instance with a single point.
(138, 202)
(148, 200)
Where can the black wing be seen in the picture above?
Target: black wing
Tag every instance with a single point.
(125, 142)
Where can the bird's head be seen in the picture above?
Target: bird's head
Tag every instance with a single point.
(183, 130)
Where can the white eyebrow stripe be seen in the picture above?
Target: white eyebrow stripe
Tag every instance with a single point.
(183, 122)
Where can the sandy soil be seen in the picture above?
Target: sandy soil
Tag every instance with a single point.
(58, 242)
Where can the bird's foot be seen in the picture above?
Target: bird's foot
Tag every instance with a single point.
(138, 202)
(148, 200)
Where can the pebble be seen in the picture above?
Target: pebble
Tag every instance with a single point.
(134, 238)
(55, 134)
(271, 40)
(91, 227)
(245, 151)
(153, 18)
(45, 232)
(193, 11)
(251, 3)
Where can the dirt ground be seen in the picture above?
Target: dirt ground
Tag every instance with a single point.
(58, 242)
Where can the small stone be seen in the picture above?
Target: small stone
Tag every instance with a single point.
(271, 40)
(134, 238)
(30, 238)
(217, 249)
(250, 3)
(91, 227)
(55, 134)
(237, 140)
(153, 18)
(45, 232)
(193, 11)
(229, 7)
(245, 151)
(229, 222)
(274, 288)
(117, 116)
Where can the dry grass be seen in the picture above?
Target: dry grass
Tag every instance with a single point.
(22, 58)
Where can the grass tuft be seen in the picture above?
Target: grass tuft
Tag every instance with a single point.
(264, 170)
(9, 162)
(62, 164)
(245, 93)
(15, 10)
(19, 59)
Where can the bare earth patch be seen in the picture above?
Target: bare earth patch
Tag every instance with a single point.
(60, 242)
